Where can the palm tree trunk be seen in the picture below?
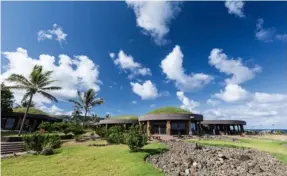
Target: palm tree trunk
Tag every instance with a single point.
(84, 119)
(23, 121)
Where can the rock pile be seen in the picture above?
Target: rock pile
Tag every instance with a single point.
(183, 159)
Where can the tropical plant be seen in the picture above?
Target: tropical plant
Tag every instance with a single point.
(24, 104)
(87, 100)
(38, 82)
(7, 99)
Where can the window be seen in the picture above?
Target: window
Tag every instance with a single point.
(10, 123)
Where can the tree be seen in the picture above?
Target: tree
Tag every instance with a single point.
(87, 100)
(25, 103)
(76, 115)
(38, 82)
(7, 99)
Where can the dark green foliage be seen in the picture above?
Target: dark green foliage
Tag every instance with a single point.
(64, 127)
(115, 135)
(101, 131)
(136, 138)
(34, 142)
(47, 126)
(7, 99)
(53, 141)
(37, 141)
(76, 129)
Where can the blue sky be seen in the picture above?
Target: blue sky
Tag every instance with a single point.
(224, 60)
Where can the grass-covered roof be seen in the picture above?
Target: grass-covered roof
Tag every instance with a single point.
(31, 111)
(169, 110)
(127, 117)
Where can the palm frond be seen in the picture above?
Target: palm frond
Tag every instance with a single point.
(76, 103)
(51, 88)
(20, 79)
(20, 87)
(48, 96)
(26, 95)
(97, 102)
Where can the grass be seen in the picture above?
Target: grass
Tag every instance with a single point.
(81, 160)
(32, 110)
(276, 148)
(170, 110)
(127, 117)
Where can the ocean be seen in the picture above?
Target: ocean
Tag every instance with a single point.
(284, 130)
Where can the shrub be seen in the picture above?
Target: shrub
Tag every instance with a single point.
(65, 127)
(136, 138)
(46, 126)
(34, 142)
(37, 141)
(56, 126)
(77, 130)
(53, 141)
(101, 131)
(115, 135)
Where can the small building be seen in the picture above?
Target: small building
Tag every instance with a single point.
(125, 121)
(13, 120)
(223, 126)
(171, 121)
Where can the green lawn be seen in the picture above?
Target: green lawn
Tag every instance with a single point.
(77, 160)
(276, 148)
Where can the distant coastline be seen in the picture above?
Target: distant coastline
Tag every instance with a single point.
(284, 130)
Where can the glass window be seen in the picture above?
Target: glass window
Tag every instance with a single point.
(10, 123)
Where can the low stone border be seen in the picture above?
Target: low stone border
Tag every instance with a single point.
(98, 145)
(11, 155)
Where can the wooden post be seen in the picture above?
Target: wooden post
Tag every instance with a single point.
(189, 132)
(168, 127)
(148, 128)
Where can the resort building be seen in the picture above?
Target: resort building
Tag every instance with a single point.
(125, 121)
(12, 121)
(176, 121)
(223, 126)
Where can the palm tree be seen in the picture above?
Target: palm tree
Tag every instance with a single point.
(86, 101)
(36, 83)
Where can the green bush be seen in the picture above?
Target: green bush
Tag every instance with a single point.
(53, 141)
(65, 127)
(37, 141)
(115, 135)
(136, 138)
(101, 131)
(47, 126)
(76, 129)
(34, 142)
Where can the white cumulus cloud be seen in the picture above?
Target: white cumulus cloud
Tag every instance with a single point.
(70, 73)
(146, 91)
(155, 17)
(126, 63)
(56, 33)
(187, 103)
(232, 93)
(259, 109)
(172, 67)
(233, 67)
(235, 7)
